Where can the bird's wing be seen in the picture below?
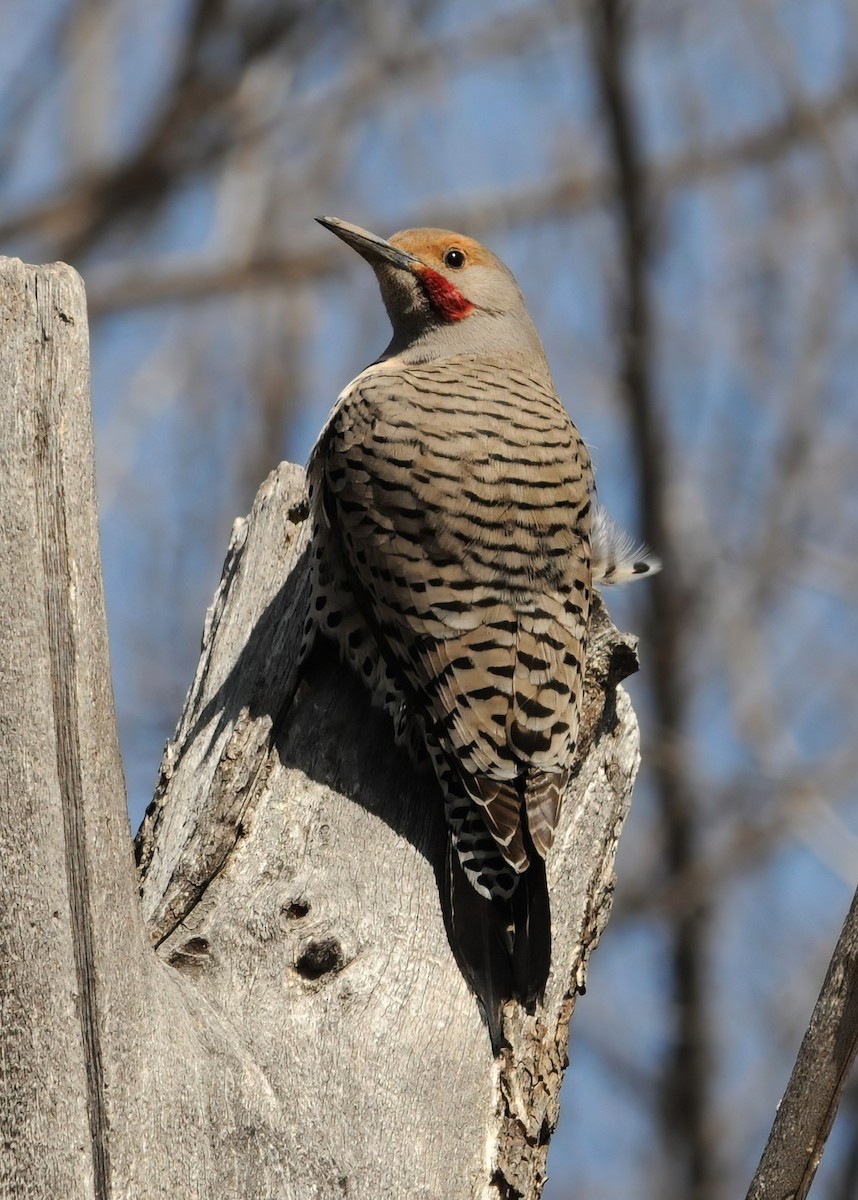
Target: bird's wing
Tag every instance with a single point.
(460, 508)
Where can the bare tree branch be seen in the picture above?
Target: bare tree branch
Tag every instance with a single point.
(806, 1112)
(116, 288)
(685, 1095)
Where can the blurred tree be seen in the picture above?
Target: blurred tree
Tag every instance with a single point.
(674, 184)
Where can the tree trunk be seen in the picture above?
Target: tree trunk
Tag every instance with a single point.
(282, 1017)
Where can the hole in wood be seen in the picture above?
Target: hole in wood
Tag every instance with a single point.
(191, 955)
(321, 956)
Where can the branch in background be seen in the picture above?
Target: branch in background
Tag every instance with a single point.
(114, 289)
(685, 1085)
(172, 150)
(807, 1110)
(192, 127)
(201, 115)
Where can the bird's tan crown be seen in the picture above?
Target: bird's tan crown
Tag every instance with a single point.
(430, 245)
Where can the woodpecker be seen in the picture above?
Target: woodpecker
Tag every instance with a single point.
(455, 545)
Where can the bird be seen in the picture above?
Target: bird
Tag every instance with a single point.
(455, 544)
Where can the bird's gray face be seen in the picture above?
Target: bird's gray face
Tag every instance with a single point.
(444, 292)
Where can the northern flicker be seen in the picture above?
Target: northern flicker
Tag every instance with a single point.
(453, 513)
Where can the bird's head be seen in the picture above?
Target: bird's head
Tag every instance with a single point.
(445, 294)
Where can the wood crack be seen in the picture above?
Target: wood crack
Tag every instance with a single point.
(59, 610)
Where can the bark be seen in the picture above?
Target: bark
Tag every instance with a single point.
(282, 1015)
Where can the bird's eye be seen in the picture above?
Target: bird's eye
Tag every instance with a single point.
(454, 258)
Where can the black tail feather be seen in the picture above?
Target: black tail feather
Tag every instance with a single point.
(531, 948)
(503, 947)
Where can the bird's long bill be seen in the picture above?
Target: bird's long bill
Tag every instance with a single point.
(368, 245)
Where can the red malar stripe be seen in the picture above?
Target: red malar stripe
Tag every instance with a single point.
(447, 300)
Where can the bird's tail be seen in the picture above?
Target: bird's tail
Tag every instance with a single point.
(502, 946)
(616, 556)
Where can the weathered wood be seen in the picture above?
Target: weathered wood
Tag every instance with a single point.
(291, 863)
(302, 1029)
(51, 1092)
(115, 1079)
